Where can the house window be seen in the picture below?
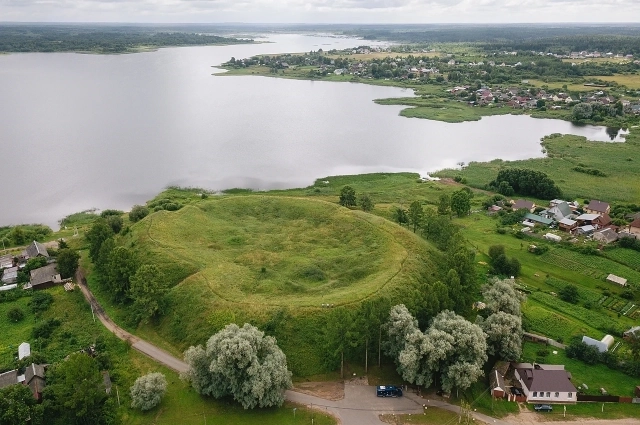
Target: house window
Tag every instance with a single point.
(548, 394)
(557, 395)
(535, 394)
(570, 395)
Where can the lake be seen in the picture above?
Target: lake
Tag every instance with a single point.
(94, 131)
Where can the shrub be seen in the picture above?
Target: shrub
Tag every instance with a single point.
(15, 314)
(138, 212)
(148, 390)
(45, 329)
(569, 294)
(40, 301)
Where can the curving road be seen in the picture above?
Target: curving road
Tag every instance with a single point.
(141, 345)
(360, 406)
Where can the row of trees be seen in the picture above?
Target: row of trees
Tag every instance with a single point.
(119, 271)
(452, 351)
(348, 199)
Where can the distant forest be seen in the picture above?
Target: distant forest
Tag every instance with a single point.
(103, 38)
(554, 38)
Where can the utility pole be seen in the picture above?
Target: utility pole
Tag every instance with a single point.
(118, 395)
(366, 355)
(379, 345)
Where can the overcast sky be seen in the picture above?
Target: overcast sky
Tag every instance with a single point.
(321, 11)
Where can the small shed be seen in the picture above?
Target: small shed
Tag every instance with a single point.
(8, 287)
(10, 275)
(24, 350)
(617, 279)
(638, 391)
(552, 237)
(602, 345)
(6, 261)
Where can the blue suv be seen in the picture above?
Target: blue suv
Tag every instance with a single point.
(388, 391)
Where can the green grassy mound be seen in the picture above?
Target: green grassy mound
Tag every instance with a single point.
(276, 262)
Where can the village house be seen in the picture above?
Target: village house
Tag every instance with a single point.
(598, 207)
(634, 227)
(558, 211)
(523, 204)
(545, 383)
(605, 236)
(44, 277)
(33, 378)
(587, 219)
(567, 225)
(36, 249)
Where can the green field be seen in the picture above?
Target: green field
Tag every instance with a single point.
(280, 252)
(444, 110)
(619, 160)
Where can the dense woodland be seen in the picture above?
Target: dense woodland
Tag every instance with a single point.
(101, 38)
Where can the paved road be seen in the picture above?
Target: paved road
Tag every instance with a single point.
(360, 406)
(141, 345)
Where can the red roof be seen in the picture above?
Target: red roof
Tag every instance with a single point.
(635, 223)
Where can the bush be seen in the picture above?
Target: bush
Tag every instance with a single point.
(569, 294)
(148, 390)
(45, 329)
(40, 301)
(138, 212)
(15, 314)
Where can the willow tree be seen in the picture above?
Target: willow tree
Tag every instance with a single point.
(240, 362)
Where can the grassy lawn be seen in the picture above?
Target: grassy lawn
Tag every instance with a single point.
(632, 81)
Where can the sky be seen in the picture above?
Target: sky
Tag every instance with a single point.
(321, 11)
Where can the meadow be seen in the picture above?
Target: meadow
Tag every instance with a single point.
(563, 154)
(281, 263)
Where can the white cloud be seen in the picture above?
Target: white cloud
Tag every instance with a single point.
(355, 11)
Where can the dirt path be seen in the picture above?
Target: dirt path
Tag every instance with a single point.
(141, 345)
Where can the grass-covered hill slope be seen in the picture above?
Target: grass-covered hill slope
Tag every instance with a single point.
(274, 259)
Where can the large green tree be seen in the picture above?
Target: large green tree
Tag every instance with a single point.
(68, 261)
(416, 215)
(444, 204)
(122, 266)
(19, 407)
(99, 232)
(500, 295)
(75, 392)
(148, 290)
(147, 391)
(452, 350)
(242, 363)
(504, 335)
(347, 197)
(461, 202)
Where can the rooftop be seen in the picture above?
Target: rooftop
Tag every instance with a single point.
(598, 206)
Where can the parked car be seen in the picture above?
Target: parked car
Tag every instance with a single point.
(388, 391)
(543, 408)
(516, 391)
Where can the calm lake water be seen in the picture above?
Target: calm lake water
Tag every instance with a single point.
(89, 131)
